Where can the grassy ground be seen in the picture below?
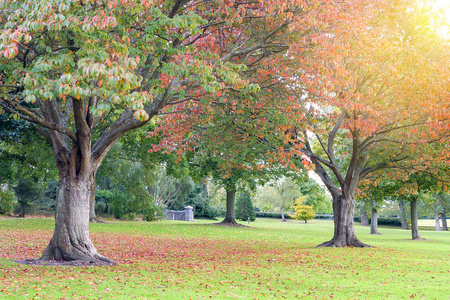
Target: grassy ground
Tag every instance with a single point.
(180, 260)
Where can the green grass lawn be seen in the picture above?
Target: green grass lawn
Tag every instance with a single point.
(180, 260)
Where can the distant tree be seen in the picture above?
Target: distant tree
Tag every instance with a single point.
(28, 191)
(315, 196)
(198, 198)
(444, 205)
(279, 195)
(303, 212)
(244, 207)
(362, 205)
(377, 103)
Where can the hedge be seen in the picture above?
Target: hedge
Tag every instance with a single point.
(389, 221)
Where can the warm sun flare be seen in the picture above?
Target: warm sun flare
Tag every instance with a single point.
(443, 7)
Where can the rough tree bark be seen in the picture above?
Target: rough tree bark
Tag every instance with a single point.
(374, 218)
(436, 217)
(401, 206)
(414, 220)
(344, 229)
(70, 239)
(230, 215)
(444, 220)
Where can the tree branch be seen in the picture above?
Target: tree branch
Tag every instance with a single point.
(31, 117)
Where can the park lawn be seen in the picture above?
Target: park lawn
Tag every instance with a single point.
(180, 260)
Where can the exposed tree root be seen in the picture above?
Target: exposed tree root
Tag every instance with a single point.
(229, 223)
(97, 220)
(342, 243)
(67, 263)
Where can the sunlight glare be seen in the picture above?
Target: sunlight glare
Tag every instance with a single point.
(443, 7)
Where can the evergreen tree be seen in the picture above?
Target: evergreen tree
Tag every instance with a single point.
(244, 207)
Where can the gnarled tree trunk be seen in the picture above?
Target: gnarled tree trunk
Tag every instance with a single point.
(401, 206)
(414, 220)
(230, 213)
(374, 218)
(70, 239)
(344, 230)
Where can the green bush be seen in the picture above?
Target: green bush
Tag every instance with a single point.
(101, 208)
(388, 221)
(6, 202)
(130, 216)
(153, 213)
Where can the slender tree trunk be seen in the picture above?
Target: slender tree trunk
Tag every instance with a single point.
(444, 220)
(436, 217)
(364, 217)
(374, 218)
(401, 206)
(344, 230)
(92, 215)
(414, 220)
(230, 215)
(282, 212)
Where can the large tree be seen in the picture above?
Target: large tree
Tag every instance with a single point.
(375, 94)
(87, 72)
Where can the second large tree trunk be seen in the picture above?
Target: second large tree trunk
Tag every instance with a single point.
(344, 230)
(444, 220)
(374, 218)
(414, 220)
(230, 215)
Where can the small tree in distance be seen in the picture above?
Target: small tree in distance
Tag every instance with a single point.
(303, 212)
(244, 207)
